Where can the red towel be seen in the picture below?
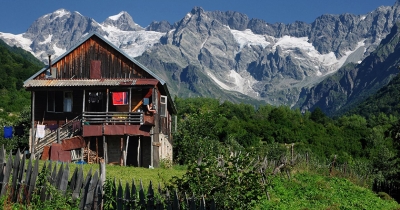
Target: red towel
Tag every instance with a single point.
(120, 98)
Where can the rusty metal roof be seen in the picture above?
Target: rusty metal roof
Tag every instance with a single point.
(88, 82)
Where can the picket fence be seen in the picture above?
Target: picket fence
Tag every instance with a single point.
(19, 182)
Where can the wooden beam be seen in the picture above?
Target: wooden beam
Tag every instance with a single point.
(105, 149)
(138, 152)
(121, 160)
(137, 106)
(126, 149)
(33, 138)
(97, 150)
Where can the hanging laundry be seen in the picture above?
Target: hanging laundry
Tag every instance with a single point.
(52, 127)
(120, 98)
(19, 130)
(8, 132)
(40, 131)
(76, 125)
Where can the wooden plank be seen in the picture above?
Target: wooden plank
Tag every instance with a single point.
(85, 190)
(121, 159)
(88, 152)
(127, 197)
(15, 172)
(59, 176)
(134, 195)
(91, 190)
(150, 196)
(120, 198)
(73, 179)
(97, 150)
(64, 180)
(53, 176)
(102, 181)
(142, 198)
(27, 180)
(32, 180)
(7, 172)
(97, 198)
(20, 176)
(46, 172)
(78, 184)
(2, 155)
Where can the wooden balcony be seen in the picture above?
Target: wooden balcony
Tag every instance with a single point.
(113, 118)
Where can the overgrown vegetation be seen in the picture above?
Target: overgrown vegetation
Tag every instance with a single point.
(208, 128)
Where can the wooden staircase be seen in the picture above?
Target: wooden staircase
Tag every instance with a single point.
(67, 130)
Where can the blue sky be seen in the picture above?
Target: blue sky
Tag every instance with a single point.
(17, 15)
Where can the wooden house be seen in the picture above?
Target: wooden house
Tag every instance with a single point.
(93, 99)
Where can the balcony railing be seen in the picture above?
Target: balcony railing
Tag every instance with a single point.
(134, 118)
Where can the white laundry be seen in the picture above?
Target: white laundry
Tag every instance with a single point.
(40, 131)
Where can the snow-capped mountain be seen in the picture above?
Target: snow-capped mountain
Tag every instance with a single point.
(224, 54)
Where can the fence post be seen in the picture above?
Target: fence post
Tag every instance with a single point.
(142, 202)
(102, 179)
(150, 197)
(332, 166)
(120, 196)
(127, 197)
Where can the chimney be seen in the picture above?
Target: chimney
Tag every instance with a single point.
(49, 61)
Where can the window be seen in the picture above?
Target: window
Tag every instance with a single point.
(59, 101)
(163, 106)
(68, 101)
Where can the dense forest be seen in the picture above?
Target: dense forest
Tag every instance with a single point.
(16, 65)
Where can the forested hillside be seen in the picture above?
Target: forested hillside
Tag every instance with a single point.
(208, 128)
(386, 100)
(16, 65)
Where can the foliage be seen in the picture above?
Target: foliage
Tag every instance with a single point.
(236, 181)
(308, 190)
(109, 194)
(208, 127)
(14, 70)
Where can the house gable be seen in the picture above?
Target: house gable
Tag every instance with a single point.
(94, 58)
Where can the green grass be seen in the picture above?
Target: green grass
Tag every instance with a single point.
(307, 190)
(127, 173)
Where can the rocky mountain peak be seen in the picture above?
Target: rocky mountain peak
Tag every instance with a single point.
(162, 26)
(197, 11)
(122, 21)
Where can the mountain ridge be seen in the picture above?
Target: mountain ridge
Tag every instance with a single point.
(227, 52)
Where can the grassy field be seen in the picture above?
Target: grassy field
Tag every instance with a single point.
(127, 174)
(305, 190)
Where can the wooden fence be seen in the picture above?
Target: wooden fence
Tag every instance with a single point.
(19, 182)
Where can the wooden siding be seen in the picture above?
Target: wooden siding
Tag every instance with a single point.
(76, 64)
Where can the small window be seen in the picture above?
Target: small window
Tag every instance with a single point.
(163, 106)
(59, 101)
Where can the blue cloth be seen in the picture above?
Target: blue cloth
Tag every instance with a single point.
(8, 132)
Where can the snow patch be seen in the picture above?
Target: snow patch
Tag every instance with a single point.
(116, 17)
(47, 40)
(236, 83)
(133, 43)
(18, 40)
(60, 13)
(58, 51)
(248, 38)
